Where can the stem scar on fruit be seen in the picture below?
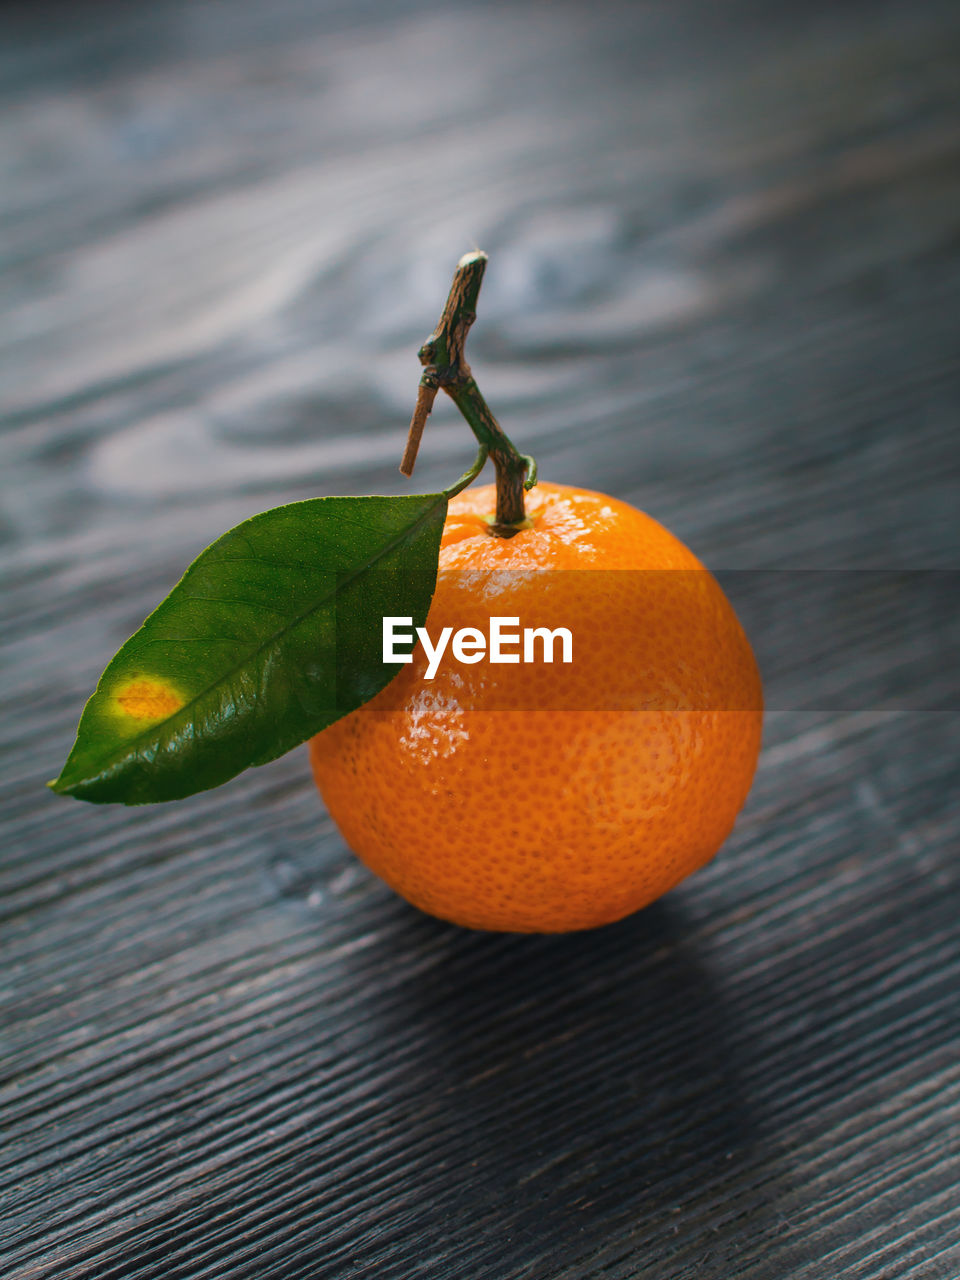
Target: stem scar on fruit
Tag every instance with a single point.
(445, 368)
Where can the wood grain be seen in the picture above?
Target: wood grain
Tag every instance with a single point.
(724, 283)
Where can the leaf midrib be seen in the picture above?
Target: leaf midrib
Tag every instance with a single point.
(264, 644)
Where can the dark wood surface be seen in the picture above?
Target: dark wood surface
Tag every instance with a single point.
(724, 285)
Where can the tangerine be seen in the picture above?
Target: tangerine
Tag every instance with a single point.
(554, 797)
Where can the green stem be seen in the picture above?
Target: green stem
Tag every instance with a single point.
(469, 475)
(444, 366)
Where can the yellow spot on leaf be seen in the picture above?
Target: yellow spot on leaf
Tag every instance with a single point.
(148, 699)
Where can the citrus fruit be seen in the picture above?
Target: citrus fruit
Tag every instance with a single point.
(551, 796)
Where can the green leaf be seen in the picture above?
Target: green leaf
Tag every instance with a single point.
(273, 633)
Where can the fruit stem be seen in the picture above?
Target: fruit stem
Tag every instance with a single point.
(444, 366)
(469, 475)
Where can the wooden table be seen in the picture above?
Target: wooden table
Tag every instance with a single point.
(724, 285)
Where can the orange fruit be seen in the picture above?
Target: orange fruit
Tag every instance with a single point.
(551, 797)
